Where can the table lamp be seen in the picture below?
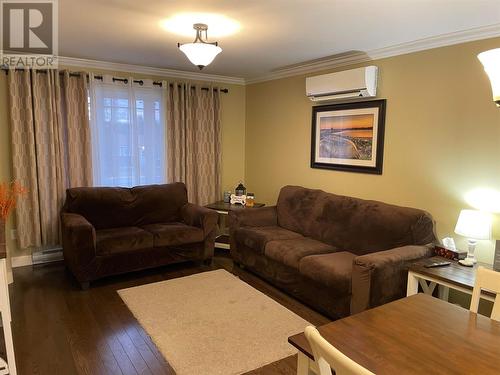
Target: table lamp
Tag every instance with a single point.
(474, 225)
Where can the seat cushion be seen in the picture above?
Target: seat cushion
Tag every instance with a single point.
(332, 270)
(174, 234)
(256, 238)
(290, 252)
(118, 240)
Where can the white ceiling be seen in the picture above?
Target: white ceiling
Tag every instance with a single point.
(273, 34)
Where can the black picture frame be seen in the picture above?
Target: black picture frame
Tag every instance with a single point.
(359, 163)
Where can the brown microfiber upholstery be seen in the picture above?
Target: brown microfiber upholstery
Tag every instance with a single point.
(173, 234)
(333, 270)
(256, 238)
(119, 240)
(346, 250)
(290, 252)
(360, 226)
(109, 230)
(381, 277)
(114, 207)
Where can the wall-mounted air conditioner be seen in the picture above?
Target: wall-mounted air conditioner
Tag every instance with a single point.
(354, 83)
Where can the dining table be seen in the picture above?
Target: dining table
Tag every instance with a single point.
(419, 334)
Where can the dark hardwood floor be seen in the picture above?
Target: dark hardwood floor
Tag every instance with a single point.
(60, 329)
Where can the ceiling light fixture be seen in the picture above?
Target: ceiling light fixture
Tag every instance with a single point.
(200, 52)
(491, 63)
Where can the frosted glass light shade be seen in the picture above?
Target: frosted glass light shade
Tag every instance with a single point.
(474, 225)
(491, 63)
(200, 54)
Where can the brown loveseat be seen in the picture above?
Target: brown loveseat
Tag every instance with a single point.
(108, 231)
(338, 254)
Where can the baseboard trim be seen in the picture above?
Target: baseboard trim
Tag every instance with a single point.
(21, 261)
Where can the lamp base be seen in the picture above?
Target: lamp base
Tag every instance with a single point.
(467, 262)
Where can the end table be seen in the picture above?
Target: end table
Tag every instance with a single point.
(222, 208)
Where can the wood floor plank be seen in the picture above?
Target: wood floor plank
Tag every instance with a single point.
(60, 329)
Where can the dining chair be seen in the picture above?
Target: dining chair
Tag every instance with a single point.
(489, 280)
(327, 356)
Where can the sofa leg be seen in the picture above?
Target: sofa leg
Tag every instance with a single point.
(85, 285)
(207, 262)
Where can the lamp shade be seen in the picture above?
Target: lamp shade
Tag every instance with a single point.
(491, 63)
(200, 54)
(474, 224)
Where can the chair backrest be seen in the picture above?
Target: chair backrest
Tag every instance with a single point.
(489, 280)
(327, 357)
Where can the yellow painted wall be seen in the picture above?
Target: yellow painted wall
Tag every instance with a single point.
(442, 136)
(233, 139)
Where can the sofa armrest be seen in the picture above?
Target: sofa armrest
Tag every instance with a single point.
(79, 241)
(381, 277)
(200, 217)
(253, 217)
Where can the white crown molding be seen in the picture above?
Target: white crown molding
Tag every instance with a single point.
(139, 69)
(449, 39)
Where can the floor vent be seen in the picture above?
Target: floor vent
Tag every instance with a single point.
(47, 256)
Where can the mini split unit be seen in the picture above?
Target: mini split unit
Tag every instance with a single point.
(354, 83)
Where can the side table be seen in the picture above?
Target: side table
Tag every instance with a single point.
(453, 276)
(222, 208)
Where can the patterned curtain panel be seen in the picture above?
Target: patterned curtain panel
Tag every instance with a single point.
(194, 140)
(50, 147)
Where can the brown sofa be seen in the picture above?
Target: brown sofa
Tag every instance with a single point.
(108, 231)
(338, 254)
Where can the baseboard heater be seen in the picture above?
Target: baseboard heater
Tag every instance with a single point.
(47, 256)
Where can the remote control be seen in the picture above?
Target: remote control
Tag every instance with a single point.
(437, 264)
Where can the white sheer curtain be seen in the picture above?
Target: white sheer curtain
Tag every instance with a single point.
(128, 132)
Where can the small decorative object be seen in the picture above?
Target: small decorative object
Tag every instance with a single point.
(449, 254)
(491, 60)
(250, 199)
(475, 225)
(227, 196)
(240, 189)
(9, 194)
(349, 137)
(238, 199)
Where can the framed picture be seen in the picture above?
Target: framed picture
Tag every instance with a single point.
(349, 136)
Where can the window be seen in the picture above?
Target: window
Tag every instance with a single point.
(128, 135)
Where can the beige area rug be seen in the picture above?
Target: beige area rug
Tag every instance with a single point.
(213, 323)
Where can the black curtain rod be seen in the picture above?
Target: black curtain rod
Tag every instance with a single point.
(156, 83)
(115, 79)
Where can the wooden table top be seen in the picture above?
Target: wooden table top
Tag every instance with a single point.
(415, 335)
(454, 273)
(222, 206)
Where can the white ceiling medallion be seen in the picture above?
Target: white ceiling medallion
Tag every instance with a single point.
(200, 52)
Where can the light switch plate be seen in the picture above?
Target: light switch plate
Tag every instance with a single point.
(13, 234)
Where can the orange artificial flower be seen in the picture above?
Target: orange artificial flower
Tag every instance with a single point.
(9, 193)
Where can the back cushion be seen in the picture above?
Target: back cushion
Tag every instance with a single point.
(113, 207)
(356, 225)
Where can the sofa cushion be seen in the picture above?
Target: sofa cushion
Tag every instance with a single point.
(174, 234)
(353, 224)
(256, 238)
(332, 270)
(119, 240)
(290, 252)
(116, 207)
(296, 207)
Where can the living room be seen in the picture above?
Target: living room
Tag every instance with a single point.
(173, 210)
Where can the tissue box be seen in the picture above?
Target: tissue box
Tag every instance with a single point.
(450, 254)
